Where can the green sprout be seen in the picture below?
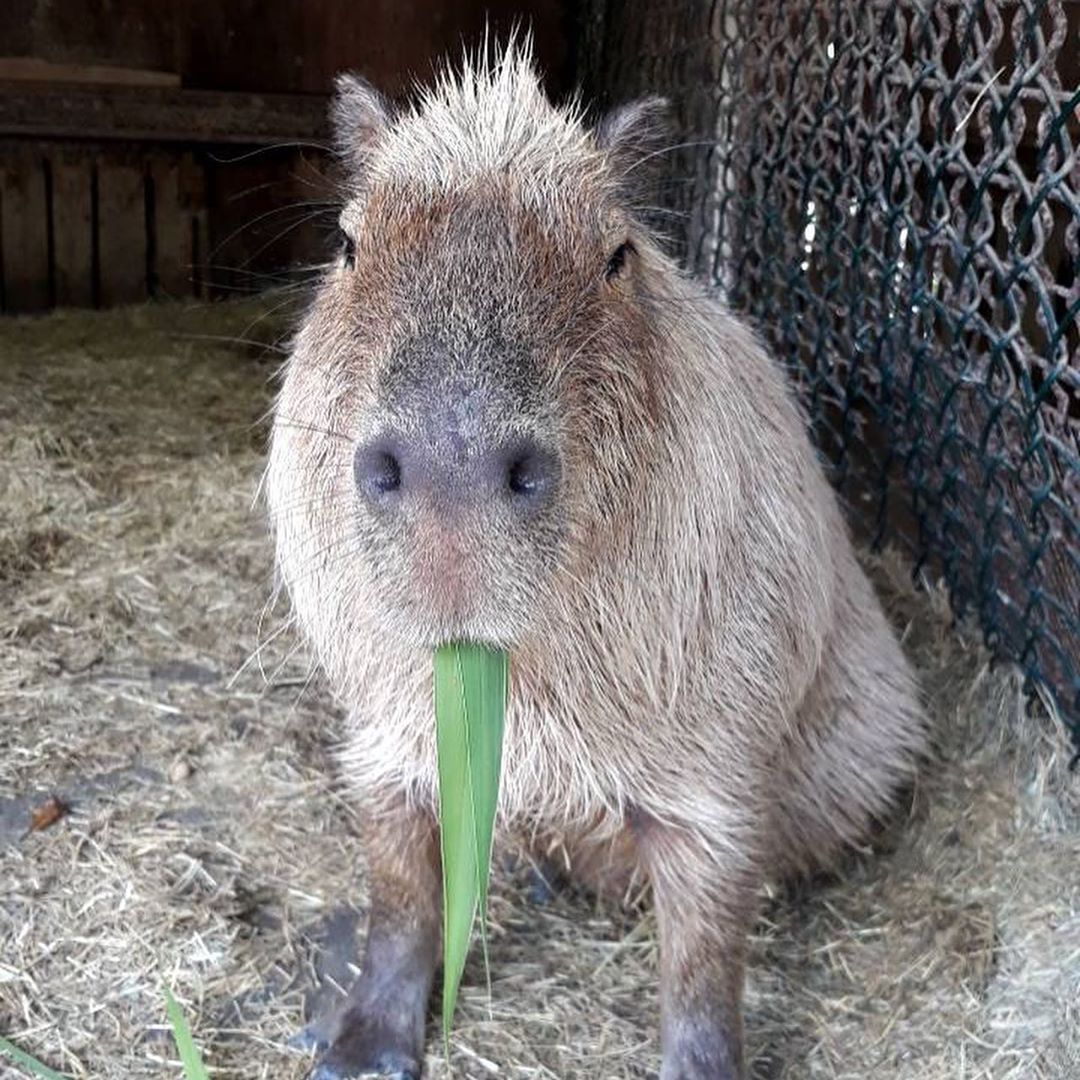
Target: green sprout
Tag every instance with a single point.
(194, 1069)
(470, 706)
(32, 1065)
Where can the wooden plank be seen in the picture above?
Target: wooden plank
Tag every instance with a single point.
(153, 114)
(33, 69)
(72, 216)
(121, 231)
(17, 25)
(123, 33)
(24, 230)
(172, 236)
(299, 47)
(193, 198)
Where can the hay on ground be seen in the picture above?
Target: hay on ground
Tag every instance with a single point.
(208, 845)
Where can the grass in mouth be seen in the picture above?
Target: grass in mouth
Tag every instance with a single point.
(470, 707)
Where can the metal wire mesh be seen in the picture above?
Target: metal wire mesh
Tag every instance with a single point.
(891, 189)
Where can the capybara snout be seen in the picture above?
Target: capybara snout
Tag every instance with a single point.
(454, 457)
(457, 499)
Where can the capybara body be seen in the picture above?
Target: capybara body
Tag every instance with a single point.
(507, 417)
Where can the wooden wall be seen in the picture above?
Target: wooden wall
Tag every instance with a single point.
(284, 46)
(140, 207)
(171, 148)
(95, 224)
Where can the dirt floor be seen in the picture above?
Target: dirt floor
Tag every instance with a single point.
(209, 846)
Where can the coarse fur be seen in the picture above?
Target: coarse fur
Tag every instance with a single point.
(704, 691)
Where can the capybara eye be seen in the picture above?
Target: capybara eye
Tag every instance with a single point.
(348, 249)
(617, 261)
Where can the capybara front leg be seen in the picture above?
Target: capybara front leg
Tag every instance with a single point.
(703, 911)
(380, 1028)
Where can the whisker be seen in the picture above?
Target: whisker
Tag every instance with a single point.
(261, 644)
(339, 548)
(668, 150)
(342, 513)
(232, 339)
(272, 678)
(296, 144)
(313, 669)
(252, 222)
(280, 235)
(303, 425)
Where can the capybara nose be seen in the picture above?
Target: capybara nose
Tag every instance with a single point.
(520, 472)
(377, 470)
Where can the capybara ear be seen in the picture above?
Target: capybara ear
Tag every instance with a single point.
(359, 115)
(634, 133)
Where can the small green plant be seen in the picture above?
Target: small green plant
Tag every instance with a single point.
(189, 1054)
(470, 706)
(194, 1069)
(32, 1065)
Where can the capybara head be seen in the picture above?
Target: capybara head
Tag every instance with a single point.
(469, 401)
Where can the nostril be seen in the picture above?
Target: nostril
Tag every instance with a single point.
(378, 472)
(529, 475)
(385, 473)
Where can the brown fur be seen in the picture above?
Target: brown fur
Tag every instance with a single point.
(704, 691)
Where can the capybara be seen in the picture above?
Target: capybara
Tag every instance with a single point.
(509, 418)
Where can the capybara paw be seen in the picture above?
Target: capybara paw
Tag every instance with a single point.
(324, 1071)
(693, 1072)
(704, 1051)
(700, 1071)
(355, 1054)
(309, 1038)
(538, 889)
(333, 1072)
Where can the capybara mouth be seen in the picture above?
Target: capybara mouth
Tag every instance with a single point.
(444, 581)
(452, 604)
(474, 627)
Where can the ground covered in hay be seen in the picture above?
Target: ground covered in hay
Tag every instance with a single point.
(207, 844)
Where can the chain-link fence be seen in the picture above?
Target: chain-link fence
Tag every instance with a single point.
(891, 189)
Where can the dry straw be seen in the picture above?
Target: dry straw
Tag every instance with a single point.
(211, 845)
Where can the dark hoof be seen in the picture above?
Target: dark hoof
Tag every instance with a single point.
(539, 890)
(332, 1072)
(343, 1063)
(307, 1039)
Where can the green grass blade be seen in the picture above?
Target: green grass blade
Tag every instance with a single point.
(470, 705)
(32, 1065)
(189, 1053)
